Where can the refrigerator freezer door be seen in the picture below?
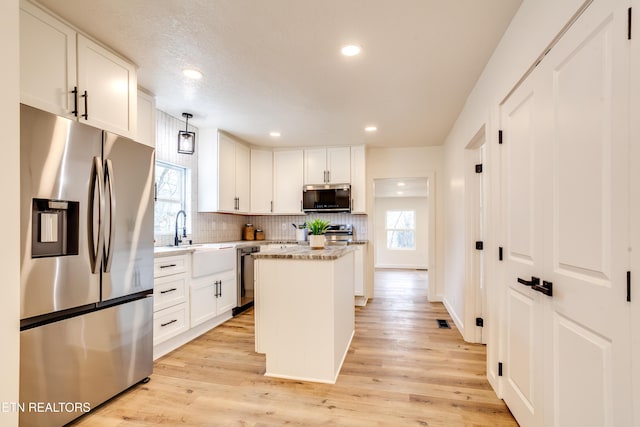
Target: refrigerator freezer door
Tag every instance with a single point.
(56, 156)
(129, 172)
(84, 360)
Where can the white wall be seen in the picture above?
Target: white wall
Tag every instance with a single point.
(533, 27)
(411, 162)
(10, 176)
(390, 258)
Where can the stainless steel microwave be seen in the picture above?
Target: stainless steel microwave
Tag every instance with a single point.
(326, 198)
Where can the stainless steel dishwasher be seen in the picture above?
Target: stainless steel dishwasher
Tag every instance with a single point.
(245, 278)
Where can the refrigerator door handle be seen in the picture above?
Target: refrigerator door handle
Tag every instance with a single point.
(109, 245)
(96, 248)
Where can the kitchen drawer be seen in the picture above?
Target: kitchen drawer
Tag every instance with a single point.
(170, 322)
(170, 290)
(166, 266)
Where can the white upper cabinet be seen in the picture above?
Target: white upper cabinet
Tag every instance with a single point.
(327, 165)
(261, 181)
(47, 62)
(243, 177)
(103, 93)
(358, 179)
(339, 165)
(223, 173)
(146, 119)
(288, 177)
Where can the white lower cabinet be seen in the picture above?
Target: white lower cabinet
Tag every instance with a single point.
(170, 322)
(170, 297)
(212, 296)
(358, 271)
(193, 293)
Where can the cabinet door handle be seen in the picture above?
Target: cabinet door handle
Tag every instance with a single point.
(85, 95)
(75, 101)
(162, 325)
(328, 177)
(168, 265)
(271, 208)
(534, 281)
(301, 206)
(168, 290)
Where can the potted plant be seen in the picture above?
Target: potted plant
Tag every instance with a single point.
(317, 227)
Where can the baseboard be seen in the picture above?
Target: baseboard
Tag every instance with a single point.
(454, 316)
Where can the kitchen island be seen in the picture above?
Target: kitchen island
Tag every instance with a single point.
(304, 311)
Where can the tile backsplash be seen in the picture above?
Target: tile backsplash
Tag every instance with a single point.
(215, 227)
(279, 227)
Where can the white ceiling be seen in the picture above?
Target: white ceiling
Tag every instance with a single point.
(276, 64)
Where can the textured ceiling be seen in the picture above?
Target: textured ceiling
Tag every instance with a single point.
(276, 64)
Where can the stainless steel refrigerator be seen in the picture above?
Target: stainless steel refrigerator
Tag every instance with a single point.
(86, 230)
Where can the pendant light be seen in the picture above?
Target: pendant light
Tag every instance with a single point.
(186, 139)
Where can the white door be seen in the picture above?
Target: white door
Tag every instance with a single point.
(47, 62)
(227, 292)
(288, 176)
(358, 182)
(109, 86)
(339, 165)
(523, 253)
(586, 223)
(566, 204)
(315, 166)
(226, 174)
(261, 181)
(242, 178)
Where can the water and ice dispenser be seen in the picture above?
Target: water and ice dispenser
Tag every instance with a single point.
(54, 228)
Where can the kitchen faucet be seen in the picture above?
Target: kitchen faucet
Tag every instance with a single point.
(177, 240)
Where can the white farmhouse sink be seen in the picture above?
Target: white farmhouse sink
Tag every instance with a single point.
(210, 259)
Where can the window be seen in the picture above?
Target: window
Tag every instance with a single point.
(401, 230)
(171, 196)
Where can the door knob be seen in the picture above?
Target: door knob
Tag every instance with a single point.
(535, 281)
(546, 288)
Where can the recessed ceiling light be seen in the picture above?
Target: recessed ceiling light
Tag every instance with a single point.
(399, 192)
(371, 128)
(274, 134)
(350, 50)
(192, 74)
(401, 184)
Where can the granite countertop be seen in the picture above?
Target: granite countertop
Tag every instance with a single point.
(304, 252)
(162, 251)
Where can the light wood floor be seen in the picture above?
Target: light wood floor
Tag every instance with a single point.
(400, 370)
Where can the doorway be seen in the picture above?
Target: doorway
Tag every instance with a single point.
(475, 236)
(402, 225)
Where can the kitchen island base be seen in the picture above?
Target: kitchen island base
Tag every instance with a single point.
(304, 315)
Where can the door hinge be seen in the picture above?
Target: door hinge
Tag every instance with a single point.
(499, 369)
(479, 321)
(499, 137)
(479, 245)
(629, 14)
(479, 168)
(628, 286)
(500, 253)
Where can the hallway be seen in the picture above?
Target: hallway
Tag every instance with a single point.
(400, 370)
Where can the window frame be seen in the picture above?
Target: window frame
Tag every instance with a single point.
(400, 229)
(183, 201)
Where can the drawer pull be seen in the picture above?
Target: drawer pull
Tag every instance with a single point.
(162, 325)
(168, 290)
(168, 265)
